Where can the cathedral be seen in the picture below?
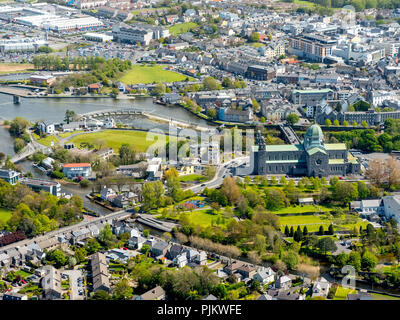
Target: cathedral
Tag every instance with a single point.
(312, 158)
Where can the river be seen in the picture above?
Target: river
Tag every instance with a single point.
(53, 110)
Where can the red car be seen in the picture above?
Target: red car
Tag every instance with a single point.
(125, 248)
(340, 178)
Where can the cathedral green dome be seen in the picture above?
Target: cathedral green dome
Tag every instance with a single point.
(314, 138)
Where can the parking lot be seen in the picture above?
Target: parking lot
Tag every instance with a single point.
(76, 283)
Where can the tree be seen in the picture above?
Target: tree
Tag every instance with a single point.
(345, 123)
(336, 123)
(212, 113)
(330, 229)
(92, 246)
(69, 116)
(209, 83)
(291, 233)
(368, 261)
(127, 154)
(364, 124)
(291, 259)
(106, 237)
(354, 124)
(159, 89)
(326, 244)
(287, 232)
(58, 257)
(305, 231)
(321, 231)
(230, 189)
(18, 126)
(328, 122)
(274, 198)
(292, 118)
(254, 37)
(100, 295)
(122, 290)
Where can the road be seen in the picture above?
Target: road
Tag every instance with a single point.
(75, 227)
(219, 175)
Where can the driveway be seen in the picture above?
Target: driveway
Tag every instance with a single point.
(73, 283)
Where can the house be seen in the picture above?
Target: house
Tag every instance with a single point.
(94, 230)
(156, 293)
(306, 201)
(171, 98)
(286, 295)
(284, 282)
(109, 123)
(74, 170)
(107, 194)
(100, 274)
(174, 251)
(80, 235)
(264, 276)
(160, 248)
(14, 296)
(136, 242)
(265, 296)
(51, 283)
(119, 254)
(46, 127)
(181, 260)
(247, 271)
(210, 297)
(42, 79)
(201, 258)
(5, 260)
(94, 88)
(233, 267)
(10, 176)
(321, 288)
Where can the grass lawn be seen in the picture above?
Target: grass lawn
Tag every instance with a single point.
(116, 138)
(257, 44)
(150, 74)
(5, 214)
(46, 141)
(23, 273)
(15, 67)
(377, 296)
(313, 222)
(341, 293)
(303, 209)
(204, 217)
(304, 3)
(180, 28)
(192, 177)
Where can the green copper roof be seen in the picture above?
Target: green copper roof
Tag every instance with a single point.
(335, 146)
(284, 147)
(336, 161)
(315, 150)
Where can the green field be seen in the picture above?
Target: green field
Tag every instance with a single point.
(205, 218)
(151, 74)
(180, 28)
(341, 293)
(304, 3)
(46, 141)
(116, 138)
(192, 177)
(302, 209)
(5, 214)
(377, 296)
(257, 44)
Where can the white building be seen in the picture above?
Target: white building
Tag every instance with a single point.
(130, 34)
(99, 37)
(206, 153)
(46, 127)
